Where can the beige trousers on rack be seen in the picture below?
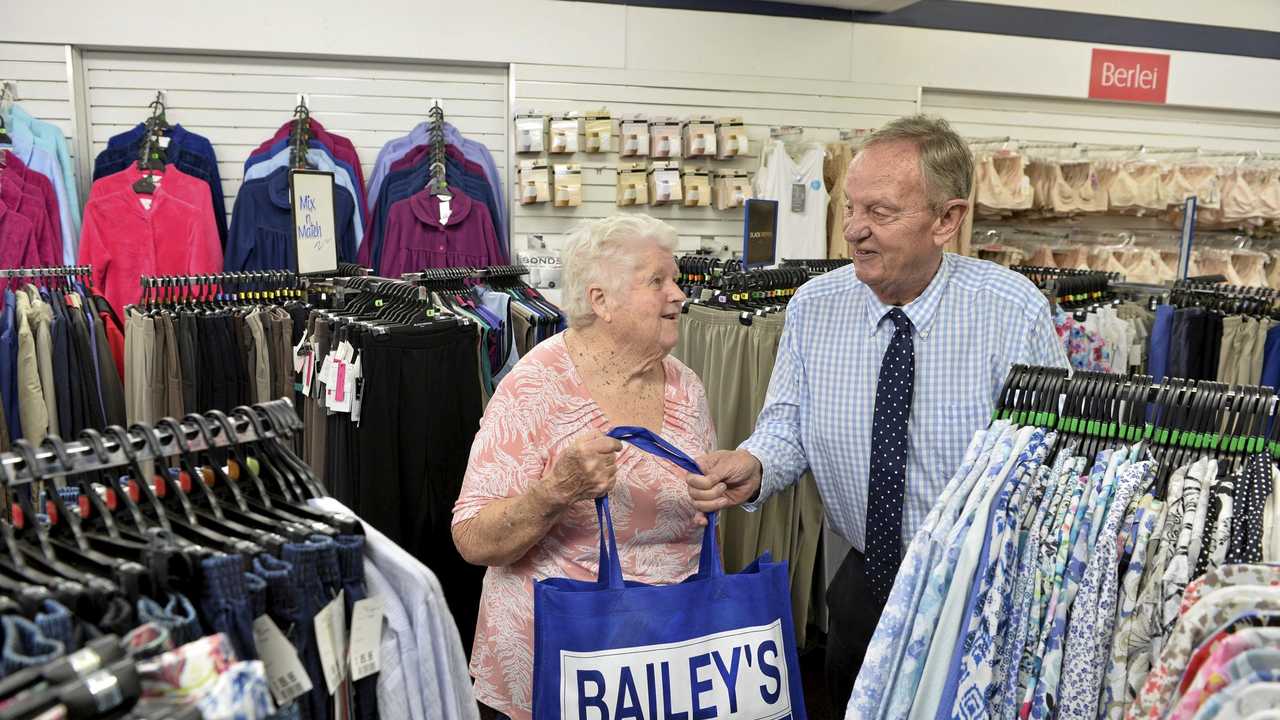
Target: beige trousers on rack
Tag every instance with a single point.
(735, 362)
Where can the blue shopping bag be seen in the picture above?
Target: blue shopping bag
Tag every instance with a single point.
(714, 646)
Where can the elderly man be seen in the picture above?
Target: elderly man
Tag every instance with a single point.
(885, 371)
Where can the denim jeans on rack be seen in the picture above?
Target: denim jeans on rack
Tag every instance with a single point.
(351, 562)
(55, 622)
(314, 571)
(25, 646)
(177, 615)
(225, 603)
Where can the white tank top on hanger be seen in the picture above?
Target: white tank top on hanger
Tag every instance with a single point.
(802, 200)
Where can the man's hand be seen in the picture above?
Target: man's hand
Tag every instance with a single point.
(731, 478)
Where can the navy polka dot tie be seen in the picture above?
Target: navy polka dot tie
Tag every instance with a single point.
(889, 457)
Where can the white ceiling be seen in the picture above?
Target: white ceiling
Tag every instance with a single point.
(865, 5)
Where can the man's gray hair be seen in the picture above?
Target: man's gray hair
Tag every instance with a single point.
(603, 252)
(946, 164)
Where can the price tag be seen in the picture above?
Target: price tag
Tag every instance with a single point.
(366, 638)
(798, 196)
(357, 391)
(331, 638)
(285, 674)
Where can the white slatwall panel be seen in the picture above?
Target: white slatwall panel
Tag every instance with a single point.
(238, 102)
(39, 74)
(822, 108)
(1085, 121)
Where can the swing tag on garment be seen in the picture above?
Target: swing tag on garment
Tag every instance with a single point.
(357, 391)
(285, 674)
(365, 658)
(331, 640)
(446, 211)
(798, 194)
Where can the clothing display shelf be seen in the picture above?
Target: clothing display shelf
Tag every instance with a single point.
(438, 182)
(751, 293)
(1232, 299)
(119, 448)
(452, 275)
(300, 135)
(703, 270)
(236, 287)
(151, 151)
(82, 273)
(1180, 418)
(1069, 288)
(818, 266)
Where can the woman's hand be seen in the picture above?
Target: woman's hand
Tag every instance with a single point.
(585, 471)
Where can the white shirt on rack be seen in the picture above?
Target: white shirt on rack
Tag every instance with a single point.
(802, 198)
(442, 678)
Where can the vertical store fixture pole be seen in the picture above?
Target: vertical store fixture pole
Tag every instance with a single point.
(1188, 237)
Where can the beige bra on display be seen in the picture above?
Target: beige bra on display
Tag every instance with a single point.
(1251, 267)
(1240, 201)
(1135, 188)
(1184, 181)
(1003, 184)
(1076, 189)
(1269, 196)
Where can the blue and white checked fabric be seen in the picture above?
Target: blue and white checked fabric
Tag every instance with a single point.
(972, 323)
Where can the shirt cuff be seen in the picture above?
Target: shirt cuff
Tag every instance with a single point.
(768, 477)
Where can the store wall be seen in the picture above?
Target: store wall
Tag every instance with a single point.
(822, 108)
(555, 32)
(238, 102)
(233, 73)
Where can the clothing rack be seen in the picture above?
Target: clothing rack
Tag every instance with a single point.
(84, 272)
(464, 273)
(438, 183)
(1226, 298)
(703, 270)
(151, 154)
(1179, 417)
(195, 433)
(818, 266)
(300, 135)
(234, 287)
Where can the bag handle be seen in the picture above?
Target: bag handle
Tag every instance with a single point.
(610, 565)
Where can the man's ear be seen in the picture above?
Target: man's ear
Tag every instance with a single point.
(950, 222)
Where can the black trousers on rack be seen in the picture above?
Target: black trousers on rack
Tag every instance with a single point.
(420, 410)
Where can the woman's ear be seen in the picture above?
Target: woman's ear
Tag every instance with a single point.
(599, 303)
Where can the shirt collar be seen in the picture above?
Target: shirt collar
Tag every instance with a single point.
(426, 206)
(23, 143)
(920, 311)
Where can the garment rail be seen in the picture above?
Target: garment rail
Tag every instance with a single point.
(818, 266)
(213, 430)
(75, 272)
(266, 285)
(1117, 511)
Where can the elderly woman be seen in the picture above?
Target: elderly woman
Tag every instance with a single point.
(541, 456)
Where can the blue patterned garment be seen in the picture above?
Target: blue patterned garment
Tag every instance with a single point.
(973, 670)
(1010, 664)
(1112, 702)
(1092, 619)
(1068, 570)
(919, 646)
(1057, 549)
(887, 645)
(934, 679)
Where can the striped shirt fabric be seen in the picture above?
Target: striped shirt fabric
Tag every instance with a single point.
(973, 321)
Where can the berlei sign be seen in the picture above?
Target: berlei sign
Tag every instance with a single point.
(1129, 76)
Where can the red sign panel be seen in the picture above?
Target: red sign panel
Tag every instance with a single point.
(1131, 76)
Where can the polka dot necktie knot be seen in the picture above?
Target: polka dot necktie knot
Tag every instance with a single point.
(889, 457)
